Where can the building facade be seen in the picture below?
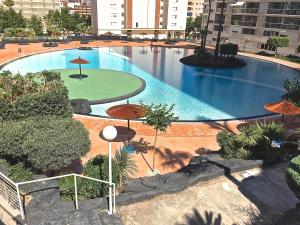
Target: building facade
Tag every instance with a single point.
(249, 23)
(195, 8)
(146, 18)
(36, 7)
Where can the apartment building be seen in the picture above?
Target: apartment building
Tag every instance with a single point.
(35, 7)
(249, 23)
(143, 18)
(195, 8)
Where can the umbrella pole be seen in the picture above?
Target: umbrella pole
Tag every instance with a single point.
(282, 118)
(80, 71)
(128, 125)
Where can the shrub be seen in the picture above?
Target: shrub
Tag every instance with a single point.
(293, 176)
(229, 49)
(122, 166)
(253, 142)
(277, 41)
(18, 32)
(292, 87)
(45, 143)
(97, 168)
(17, 172)
(33, 95)
(263, 53)
(201, 53)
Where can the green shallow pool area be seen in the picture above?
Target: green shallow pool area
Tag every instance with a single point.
(101, 86)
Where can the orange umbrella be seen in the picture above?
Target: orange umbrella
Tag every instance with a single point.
(79, 61)
(126, 111)
(283, 107)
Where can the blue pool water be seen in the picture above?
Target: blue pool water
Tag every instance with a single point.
(198, 93)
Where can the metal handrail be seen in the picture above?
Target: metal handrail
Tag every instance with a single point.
(17, 185)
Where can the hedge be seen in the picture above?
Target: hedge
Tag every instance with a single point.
(39, 94)
(229, 49)
(293, 175)
(44, 143)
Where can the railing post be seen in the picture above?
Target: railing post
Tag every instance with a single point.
(20, 202)
(114, 198)
(76, 196)
(110, 179)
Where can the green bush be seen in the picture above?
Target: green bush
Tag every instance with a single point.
(200, 53)
(123, 166)
(253, 142)
(292, 87)
(263, 53)
(229, 49)
(38, 94)
(293, 176)
(17, 172)
(278, 41)
(45, 143)
(97, 168)
(19, 32)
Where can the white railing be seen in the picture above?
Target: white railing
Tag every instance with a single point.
(17, 194)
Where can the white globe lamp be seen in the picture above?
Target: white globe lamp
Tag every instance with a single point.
(109, 133)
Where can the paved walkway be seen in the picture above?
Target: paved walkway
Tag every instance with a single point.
(229, 200)
(176, 147)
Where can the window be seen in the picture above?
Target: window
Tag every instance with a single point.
(174, 8)
(173, 24)
(174, 16)
(248, 31)
(136, 24)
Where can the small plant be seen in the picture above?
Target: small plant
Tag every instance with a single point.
(292, 87)
(159, 117)
(253, 142)
(126, 165)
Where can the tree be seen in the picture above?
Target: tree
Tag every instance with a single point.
(193, 24)
(206, 26)
(35, 23)
(197, 22)
(53, 22)
(9, 18)
(277, 42)
(189, 26)
(217, 49)
(160, 118)
(64, 20)
(9, 3)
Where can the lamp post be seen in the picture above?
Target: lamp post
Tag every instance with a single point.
(109, 133)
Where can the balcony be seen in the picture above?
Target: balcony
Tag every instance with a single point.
(245, 10)
(290, 12)
(243, 23)
(282, 26)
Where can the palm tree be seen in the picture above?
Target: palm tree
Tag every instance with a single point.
(207, 23)
(219, 31)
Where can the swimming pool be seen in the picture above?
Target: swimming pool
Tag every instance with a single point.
(198, 93)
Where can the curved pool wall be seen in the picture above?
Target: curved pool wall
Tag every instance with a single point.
(198, 93)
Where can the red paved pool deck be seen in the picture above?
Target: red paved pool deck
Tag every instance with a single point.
(175, 147)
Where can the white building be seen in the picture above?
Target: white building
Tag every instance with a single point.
(249, 23)
(146, 18)
(195, 8)
(35, 7)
